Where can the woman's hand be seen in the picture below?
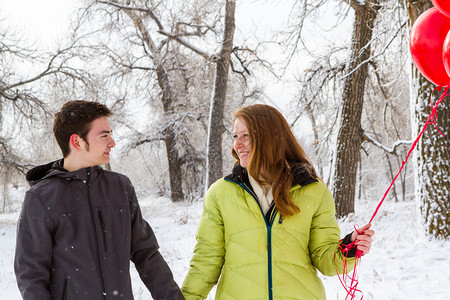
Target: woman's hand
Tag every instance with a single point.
(363, 238)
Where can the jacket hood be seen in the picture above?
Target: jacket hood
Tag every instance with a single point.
(40, 172)
(55, 168)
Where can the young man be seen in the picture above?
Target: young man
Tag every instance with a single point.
(81, 225)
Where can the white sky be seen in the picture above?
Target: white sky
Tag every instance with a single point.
(40, 21)
(45, 21)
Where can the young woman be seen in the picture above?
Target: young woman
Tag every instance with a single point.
(269, 226)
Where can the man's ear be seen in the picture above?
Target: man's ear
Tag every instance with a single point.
(75, 141)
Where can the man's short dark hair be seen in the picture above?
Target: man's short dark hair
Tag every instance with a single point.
(76, 117)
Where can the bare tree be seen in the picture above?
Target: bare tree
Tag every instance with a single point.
(214, 161)
(382, 119)
(171, 48)
(318, 99)
(349, 137)
(24, 84)
(175, 46)
(432, 154)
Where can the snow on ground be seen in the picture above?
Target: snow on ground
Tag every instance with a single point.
(403, 264)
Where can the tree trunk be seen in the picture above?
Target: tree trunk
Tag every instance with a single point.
(176, 188)
(432, 155)
(316, 144)
(173, 158)
(167, 99)
(214, 157)
(350, 134)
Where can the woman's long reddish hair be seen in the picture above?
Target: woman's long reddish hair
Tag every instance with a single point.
(275, 152)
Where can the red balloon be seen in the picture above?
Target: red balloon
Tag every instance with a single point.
(443, 6)
(426, 45)
(446, 54)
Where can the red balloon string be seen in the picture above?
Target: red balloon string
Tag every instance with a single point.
(351, 287)
(431, 119)
(434, 112)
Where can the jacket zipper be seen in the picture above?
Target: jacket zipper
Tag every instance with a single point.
(102, 224)
(99, 264)
(269, 236)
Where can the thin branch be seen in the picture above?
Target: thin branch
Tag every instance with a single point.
(385, 148)
(147, 11)
(376, 55)
(189, 46)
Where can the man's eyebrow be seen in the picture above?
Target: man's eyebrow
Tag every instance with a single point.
(106, 131)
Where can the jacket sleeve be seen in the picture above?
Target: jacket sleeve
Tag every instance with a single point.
(151, 266)
(33, 254)
(325, 238)
(208, 258)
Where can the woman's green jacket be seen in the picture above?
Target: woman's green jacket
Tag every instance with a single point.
(256, 258)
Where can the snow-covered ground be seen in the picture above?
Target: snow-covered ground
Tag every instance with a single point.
(403, 264)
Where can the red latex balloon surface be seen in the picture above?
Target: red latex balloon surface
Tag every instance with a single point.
(443, 6)
(426, 43)
(446, 54)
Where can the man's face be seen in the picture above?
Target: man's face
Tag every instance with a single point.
(99, 143)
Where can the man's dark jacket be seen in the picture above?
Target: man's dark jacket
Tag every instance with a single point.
(77, 233)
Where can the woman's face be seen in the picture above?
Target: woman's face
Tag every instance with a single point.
(241, 142)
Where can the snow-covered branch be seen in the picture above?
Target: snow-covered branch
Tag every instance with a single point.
(385, 148)
(378, 54)
(134, 8)
(189, 45)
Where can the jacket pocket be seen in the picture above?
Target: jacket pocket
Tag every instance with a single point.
(64, 295)
(113, 228)
(103, 227)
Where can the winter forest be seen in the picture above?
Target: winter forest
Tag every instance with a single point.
(173, 72)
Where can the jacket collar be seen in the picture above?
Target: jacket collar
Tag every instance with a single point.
(55, 169)
(238, 175)
(301, 176)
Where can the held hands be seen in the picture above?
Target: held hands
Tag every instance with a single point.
(363, 238)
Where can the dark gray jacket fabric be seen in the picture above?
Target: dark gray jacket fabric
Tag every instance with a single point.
(77, 233)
